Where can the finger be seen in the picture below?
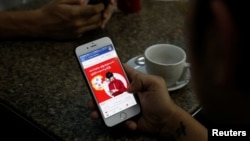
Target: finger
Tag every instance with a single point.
(91, 105)
(105, 21)
(131, 125)
(107, 15)
(141, 82)
(83, 11)
(89, 10)
(73, 2)
(94, 115)
(87, 28)
(95, 19)
(85, 25)
(134, 76)
(131, 72)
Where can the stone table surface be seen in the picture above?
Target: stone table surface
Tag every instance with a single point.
(42, 79)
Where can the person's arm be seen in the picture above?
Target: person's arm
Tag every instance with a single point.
(181, 126)
(160, 115)
(59, 19)
(19, 24)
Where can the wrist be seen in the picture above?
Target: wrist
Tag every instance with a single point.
(170, 124)
(182, 126)
(32, 24)
(18, 24)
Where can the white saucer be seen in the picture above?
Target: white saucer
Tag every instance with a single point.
(139, 65)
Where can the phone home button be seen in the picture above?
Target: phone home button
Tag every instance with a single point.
(123, 115)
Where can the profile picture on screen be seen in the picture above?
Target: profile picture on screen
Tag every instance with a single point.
(115, 85)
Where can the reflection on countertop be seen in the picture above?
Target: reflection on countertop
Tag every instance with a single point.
(42, 79)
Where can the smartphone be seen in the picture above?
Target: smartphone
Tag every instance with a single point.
(107, 81)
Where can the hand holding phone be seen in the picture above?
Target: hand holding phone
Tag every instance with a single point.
(107, 81)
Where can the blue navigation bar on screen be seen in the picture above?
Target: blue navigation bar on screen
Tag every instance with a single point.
(95, 53)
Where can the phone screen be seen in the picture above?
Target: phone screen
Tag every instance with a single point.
(107, 80)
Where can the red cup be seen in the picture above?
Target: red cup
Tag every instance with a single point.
(129, 6)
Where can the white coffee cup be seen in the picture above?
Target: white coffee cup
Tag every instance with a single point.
(167, 61)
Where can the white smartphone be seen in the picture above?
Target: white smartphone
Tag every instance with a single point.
(107, 81)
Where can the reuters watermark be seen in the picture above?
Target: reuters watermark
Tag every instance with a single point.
(226, 133)
(240, 134)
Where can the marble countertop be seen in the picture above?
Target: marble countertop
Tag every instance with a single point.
(42, 79)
